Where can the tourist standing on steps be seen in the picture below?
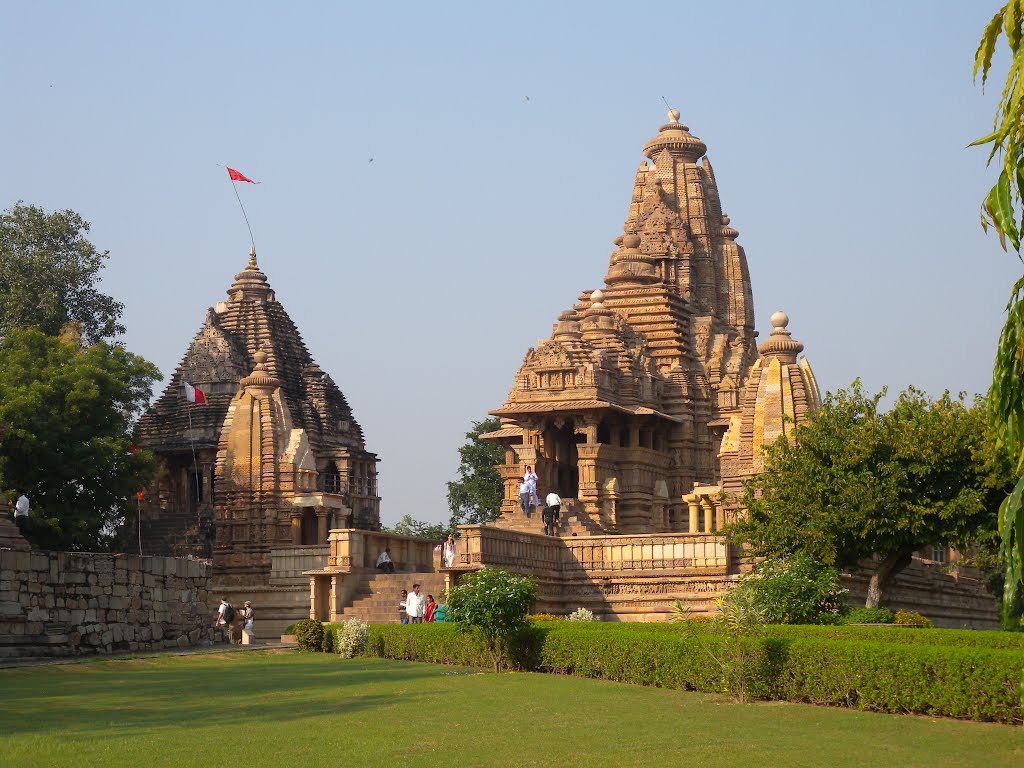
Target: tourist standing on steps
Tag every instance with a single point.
(384, 561)
(403, 604)
(226, 619)
(248, 636)
(416, 605)
(20, 509)
(524, 497)
(552, 512)
(530, 478)
(448, 552)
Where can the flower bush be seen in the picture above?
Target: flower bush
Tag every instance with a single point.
(911, 619)
(309, 634)
(350, 637)
(581, 614)
(796, 590)
(493, 603)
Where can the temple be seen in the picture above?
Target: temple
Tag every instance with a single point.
(257, 475)
(650, 402)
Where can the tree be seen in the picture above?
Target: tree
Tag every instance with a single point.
(69, 412)
(1002, 208)
(857, 482)
(48, 275)
(494, 603)
(408, 526)
(476, 496)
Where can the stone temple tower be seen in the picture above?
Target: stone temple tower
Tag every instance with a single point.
(273, 459)
(625, 410)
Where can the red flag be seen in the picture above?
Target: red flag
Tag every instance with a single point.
(194, 394)
(236, 176)
(140, 496)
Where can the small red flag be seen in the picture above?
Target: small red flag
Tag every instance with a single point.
(140, 496)
(194, 394)
(236, 176)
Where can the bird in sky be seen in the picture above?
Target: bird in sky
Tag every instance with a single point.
(371, 160)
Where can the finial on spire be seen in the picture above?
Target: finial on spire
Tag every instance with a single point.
(673, 115)
(779, 320)
(252, 256)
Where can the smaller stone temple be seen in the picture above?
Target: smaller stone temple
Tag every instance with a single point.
(256, 476)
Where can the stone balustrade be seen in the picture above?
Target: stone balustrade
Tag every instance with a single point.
(352, 549)
(289, 564)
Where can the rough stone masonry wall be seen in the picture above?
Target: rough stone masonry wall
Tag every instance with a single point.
(68, 603)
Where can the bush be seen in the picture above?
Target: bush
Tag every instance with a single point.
(533, 617)
(494, 603)
(796, 590)
(911, 619)
(350, 637)
(868, 616)
(793, 663)
(309, 634)
(581, 614)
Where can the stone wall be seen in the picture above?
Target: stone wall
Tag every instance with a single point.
(68, 603)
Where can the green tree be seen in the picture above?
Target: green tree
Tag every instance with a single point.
(476, 496)
(857, 482)
(1002, 208)
(408, 526)
(49, 273)
(494, 603)
(69, 412)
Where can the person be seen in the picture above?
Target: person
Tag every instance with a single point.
(448, 552)
(248, 636)
(403, 604)
(226, 619)
(525, 494)
(428, 616)
(384, 561)
(551, 513)
(530, 478)
(20, 508)
(416, 605)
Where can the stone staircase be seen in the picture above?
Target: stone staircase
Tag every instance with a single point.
(571, 521)
(376, 598)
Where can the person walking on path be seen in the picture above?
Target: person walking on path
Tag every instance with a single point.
(448, 552)
(525, 494)
(248, 636)
(416, 605)
(551, 513)
(226, 619)
(403, 604)
(20, 509)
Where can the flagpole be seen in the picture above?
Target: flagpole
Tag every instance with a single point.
(195, 463)
(139, 502)
(252, 240)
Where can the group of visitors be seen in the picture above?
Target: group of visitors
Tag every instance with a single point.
(416, 608)
(19, 508)
(228, 620)
(528, 499)
(447, 549)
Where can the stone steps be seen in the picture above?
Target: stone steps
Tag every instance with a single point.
(377, 596)
(570, 522)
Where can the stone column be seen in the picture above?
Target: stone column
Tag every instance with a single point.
(694, 515)
(719, 517)
(296, 527)
(321, 525)
(709, 514)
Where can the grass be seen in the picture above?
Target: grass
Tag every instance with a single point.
(284, 708)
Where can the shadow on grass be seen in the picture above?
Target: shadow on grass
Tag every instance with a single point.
(147, 695)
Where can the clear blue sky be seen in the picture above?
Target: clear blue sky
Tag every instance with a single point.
(837, 132)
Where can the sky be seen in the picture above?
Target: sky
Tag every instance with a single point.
(504, 139)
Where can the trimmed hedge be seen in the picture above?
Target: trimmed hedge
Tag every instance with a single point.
(869, 668)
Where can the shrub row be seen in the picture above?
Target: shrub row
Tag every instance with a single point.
(841, 668)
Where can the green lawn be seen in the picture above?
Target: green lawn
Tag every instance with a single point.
(285, 708)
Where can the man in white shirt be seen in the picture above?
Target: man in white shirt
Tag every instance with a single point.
(525, 493)
(551, 513)
(20, 510)
(416, 605)
(226, 619)
(384, 561)
(530, 478)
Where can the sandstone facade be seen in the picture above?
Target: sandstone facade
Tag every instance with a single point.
(67, 603)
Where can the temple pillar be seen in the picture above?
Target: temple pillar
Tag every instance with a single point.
(719, 517)
(694, 515)
(296, 527)
(709, 514)
(321, 525)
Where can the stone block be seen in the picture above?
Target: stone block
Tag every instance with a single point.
(158, 631)
(107, 638)
(182, 641)
(193, 636)
(39, 562)
(22, 561)
(120, 590)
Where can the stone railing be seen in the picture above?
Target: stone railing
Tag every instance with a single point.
(353, 549)
(684, 553)
(289, 564)
(480, 545)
